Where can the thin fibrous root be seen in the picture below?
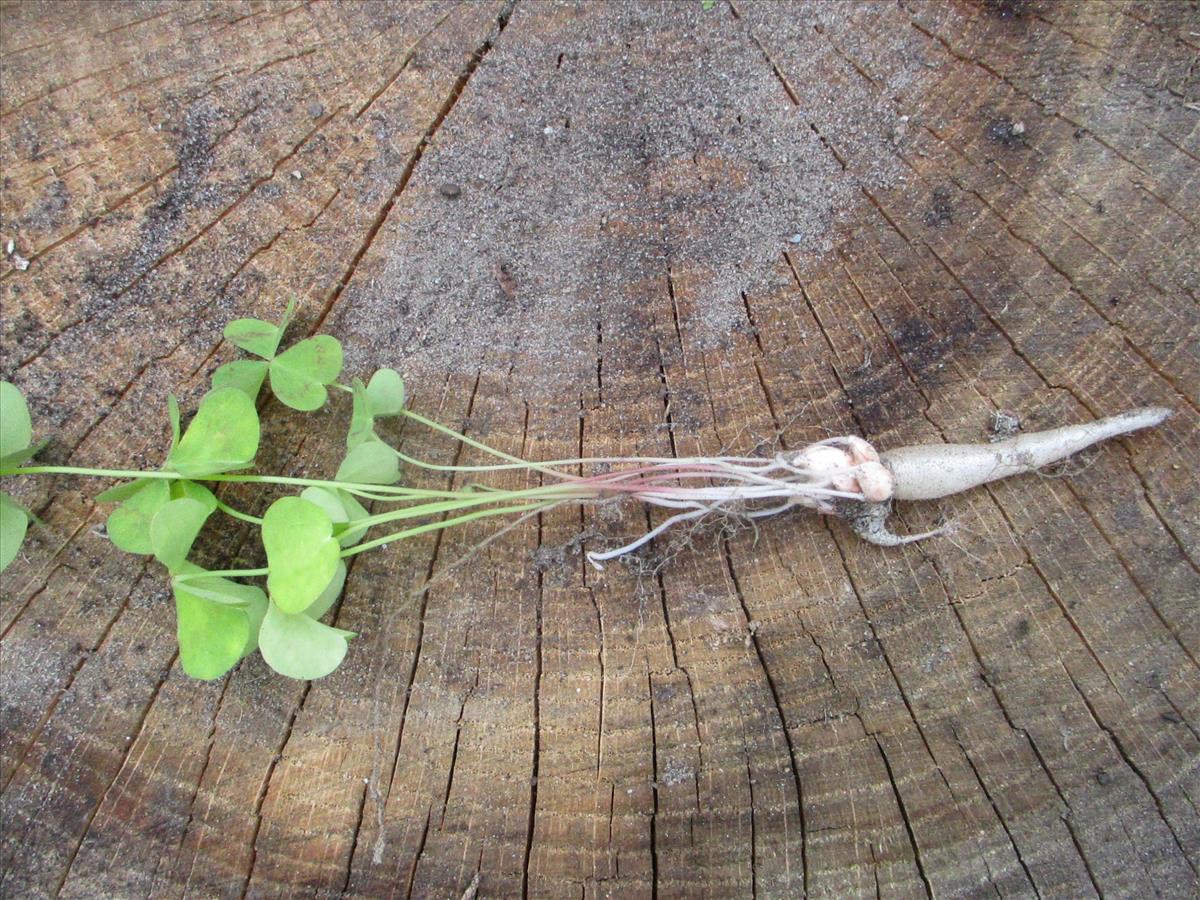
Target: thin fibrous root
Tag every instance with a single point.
(596, 558)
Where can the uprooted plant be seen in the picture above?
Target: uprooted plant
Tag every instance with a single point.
(309, 536)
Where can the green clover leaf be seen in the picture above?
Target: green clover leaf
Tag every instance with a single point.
(174, 528)
(302, 554)
(14, 521)
(298, 646)
(16, 428)
(329, 596)
(129, 524)
(300, 373)
(343, 510)
(386, 393)
(218, 623)
(223, 435)
(246, 375)
(173, 415)
(362, 419)
(254, 336)
(372, 462)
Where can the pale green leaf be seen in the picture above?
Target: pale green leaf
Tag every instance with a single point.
(343, 510)
(254, 336)
(212, 636)
(300, 373)
(328, 500)
(329, 596)
(222, 436)
(355, 512)
(298, 646)
(302, 555)
(386, 392)
(362, 420)
(371, 463)
(13, 523)
(174, 528)
(244, 374)
(218, 622)
(129, 524)
(16, 428)
(195, 492)
(123, 491)
(173, 415)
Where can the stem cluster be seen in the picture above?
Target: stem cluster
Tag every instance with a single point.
(308, 536)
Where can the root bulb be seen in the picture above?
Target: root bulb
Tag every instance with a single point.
(930, 471)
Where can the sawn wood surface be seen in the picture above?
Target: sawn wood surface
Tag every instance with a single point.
(608, 228)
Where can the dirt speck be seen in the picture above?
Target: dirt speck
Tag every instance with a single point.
(940, 212)
(1007, 133)
(1007, 9)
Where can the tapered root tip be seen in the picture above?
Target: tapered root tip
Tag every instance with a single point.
(1146, 417)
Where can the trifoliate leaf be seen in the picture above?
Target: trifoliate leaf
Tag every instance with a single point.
(373, 462)
(222, 436)
(300, 373)
(16, 428)
(254, 336)
(386, 392)
(244, 374)
(329, 596)
(302, 555)
(13, 523)
(129, 524)
(298, 646)
(174, 528)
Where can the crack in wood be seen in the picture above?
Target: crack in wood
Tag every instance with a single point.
(415, 157)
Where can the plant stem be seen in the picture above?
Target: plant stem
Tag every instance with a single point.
(520, 463)
(557, 492)
(369, 490)
(222, 573)
(238, 514)
(446, 523)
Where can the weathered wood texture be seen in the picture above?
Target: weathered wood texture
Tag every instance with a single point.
(596, 229)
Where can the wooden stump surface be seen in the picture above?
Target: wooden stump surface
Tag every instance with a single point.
(609, 228)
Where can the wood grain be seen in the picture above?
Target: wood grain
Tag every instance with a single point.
(559, 222)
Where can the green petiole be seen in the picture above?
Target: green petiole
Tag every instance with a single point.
(388, 493)
(446, 523)
(238, 514)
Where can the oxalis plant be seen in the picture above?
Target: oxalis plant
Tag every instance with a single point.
(308, 537)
